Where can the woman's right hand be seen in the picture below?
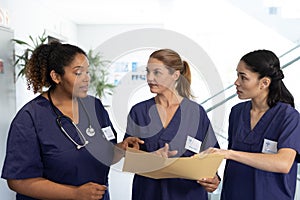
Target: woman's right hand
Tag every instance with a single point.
(41, 188)
(90, 191)
(164, 152)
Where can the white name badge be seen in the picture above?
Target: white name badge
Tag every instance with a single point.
(193, 144)
(269, 147)
(108, 133)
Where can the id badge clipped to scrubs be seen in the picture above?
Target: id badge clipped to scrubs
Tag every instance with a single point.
(193, 144)
(269, 147)
(108, 133)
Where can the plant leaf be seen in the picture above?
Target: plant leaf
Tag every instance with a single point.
(20, 42)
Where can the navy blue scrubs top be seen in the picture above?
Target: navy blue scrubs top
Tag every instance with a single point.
(190, 119)
(36, 147)
(279, 124)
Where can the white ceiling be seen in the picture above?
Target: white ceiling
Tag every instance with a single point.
(109, 11)
(156, 11)
(139, 11)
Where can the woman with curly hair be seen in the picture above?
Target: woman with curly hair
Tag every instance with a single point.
(61, 144)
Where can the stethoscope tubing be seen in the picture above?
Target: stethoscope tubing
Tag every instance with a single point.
(58, 121)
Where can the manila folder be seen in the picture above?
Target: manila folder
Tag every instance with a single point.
(203, 165)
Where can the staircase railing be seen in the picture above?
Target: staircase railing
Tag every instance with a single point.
(230, 86)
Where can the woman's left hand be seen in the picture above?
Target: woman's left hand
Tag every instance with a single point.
(165, 152)
(210, 184)
(132, 142)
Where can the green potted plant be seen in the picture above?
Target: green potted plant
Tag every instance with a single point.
(99, 74)
(99, 71)
(22, 59)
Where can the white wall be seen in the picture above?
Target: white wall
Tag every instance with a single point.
(91, 36)
(32, 18)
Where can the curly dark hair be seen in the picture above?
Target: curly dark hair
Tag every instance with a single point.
(45, 58)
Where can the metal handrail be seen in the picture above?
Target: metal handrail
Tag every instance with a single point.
(217, 94)
(291, 62)
(292, 49)
(232, 96)
(221, 103)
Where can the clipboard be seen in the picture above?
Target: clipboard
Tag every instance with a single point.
(146, 164)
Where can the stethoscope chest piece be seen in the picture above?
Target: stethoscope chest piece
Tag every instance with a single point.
(90, 131)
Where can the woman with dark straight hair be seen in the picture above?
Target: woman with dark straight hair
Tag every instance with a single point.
(263, 134)
(267, 64)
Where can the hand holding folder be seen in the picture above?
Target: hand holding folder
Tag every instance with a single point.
(203, 165)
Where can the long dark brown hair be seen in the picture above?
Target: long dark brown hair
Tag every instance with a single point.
(267, 64)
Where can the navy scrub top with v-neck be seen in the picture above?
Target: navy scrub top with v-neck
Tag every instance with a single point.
(36, 146)
(190, 119)
(279, 124)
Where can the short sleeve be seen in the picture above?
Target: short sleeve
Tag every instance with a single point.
(23, 158)
(290, 136)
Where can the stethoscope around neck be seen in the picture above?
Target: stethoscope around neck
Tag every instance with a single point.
(89, 131)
